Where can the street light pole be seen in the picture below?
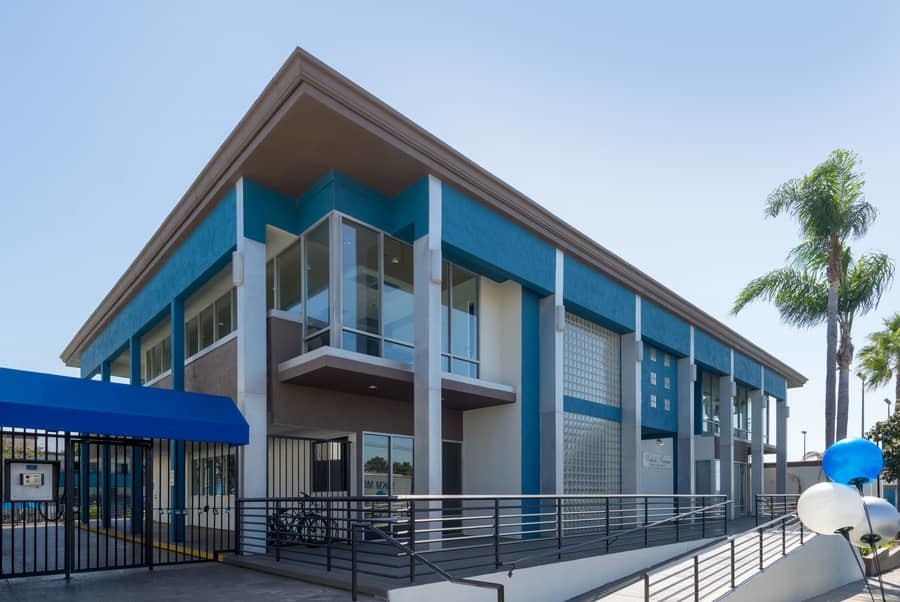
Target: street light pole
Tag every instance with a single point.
(888, 402)
(862, 405)
(804, 443)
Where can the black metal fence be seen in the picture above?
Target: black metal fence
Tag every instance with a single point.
(112, 502)
(468, 534)
(772, 505)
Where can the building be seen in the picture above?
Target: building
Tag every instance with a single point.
(348, 278)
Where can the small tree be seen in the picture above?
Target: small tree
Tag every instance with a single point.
(887, 434)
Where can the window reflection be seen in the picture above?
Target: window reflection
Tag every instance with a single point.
(317, 297)
(459, 320)
(387, 464)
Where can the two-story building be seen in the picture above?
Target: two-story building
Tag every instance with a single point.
(346, 277)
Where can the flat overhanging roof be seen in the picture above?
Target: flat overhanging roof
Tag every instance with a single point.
(310, 119)
(33, 400)
(337, 369)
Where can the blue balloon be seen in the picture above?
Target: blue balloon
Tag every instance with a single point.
(852, 461)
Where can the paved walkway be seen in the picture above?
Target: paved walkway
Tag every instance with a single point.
(206, 581)
(857, 591)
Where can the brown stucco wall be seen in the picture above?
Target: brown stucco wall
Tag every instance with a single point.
(310, 408)
(214, 373)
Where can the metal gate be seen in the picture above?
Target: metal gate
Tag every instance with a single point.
(115, 503)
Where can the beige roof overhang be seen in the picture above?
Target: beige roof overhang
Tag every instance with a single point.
(310, 118)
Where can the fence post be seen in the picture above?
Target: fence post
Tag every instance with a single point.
(697, 578)
(801, 532)
(497, 533)
(237, 525)
(354, 536)
(559, 532)
(703, 517)
(69, 520)
(277, 528)
(646, 516)
(677, 519)
(607, 525)
(784, 536)
(760, 549)
(412, 540)
(646, 587)
(328, 533)
(732, 564)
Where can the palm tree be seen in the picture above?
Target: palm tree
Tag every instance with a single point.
(880, 359)
(829, 207)
(800, 293)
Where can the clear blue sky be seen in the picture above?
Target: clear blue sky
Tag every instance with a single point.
(657, 129)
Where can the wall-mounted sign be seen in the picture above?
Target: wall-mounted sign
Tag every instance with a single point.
(31, 481)
(661, 461)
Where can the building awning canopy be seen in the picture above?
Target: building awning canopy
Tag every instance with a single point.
(61, 403)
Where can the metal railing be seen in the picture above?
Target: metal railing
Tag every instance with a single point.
(467, 534)
(414, 556)
(712, 573)
(772, 505)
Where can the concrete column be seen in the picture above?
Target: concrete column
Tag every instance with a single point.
(782, 413)
(726, 437)
(552, 329)
(757, 472)
(687, 377)
(249, 276)
(335, 290)
(176, 448)
(137, 459)
(632, 354)
(427, 467)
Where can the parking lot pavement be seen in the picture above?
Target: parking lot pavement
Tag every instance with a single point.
(201, 581)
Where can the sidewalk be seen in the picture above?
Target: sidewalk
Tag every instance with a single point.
(856, 592)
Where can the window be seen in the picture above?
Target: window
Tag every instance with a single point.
(652, 354)
(591, 362)
(709, 394)
(667, 404)
(330, 466)
(592, 454)
(667, 360)
(742, 427)
(397, 316)
(387, 464)
(211, 324)
(158, 359)
(214, 476)
(653, 378)
(652, 401)
(283, 277)
(316, 250)
(360, 288)
(459, 320)
(667, 382)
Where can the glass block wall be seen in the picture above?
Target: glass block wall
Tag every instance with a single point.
(591, 362)
(592, 454)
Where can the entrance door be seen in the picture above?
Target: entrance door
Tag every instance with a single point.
(452, 484)
(741, 488)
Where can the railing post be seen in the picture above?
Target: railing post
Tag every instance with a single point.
(784, 536)
(328, 535)
(646, 587)
(703, 517)
(725, 517)
(496, 533)
(607, 525)
(354, 585)
(559, 529)
(732, 564)
(697, 578)
(277, 526)
(412, 541)
(801, 532)
(756, 508)
(760, 549)
(677, 520)
(646, 521)
(237, 525)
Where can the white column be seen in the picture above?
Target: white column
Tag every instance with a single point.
(757, 472)
(427, 362)
(552, 329)
(249, 275)
(687, 376)
(726, 436)
(632, 354)
(782, 413)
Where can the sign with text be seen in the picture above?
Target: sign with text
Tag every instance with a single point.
(660, 461)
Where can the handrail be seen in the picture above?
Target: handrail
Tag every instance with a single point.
(413, 554)
(466, 497)
(615, 536)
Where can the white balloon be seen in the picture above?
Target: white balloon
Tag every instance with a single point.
(885, 522)
(829, 507)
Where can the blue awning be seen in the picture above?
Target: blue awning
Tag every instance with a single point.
(62, 403)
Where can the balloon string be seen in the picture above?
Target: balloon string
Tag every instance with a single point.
(874, 549)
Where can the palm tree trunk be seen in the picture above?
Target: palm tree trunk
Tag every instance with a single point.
(844, 359)
(831, 346)
(896, 383)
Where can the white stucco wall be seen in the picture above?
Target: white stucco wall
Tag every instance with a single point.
(548, 583)
(823, 564)
(492, 443)
(658, 466)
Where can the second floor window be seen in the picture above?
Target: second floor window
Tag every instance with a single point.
(459, 320)
(742, 426)
(212, 323)
(158, 359)
(709, 392)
